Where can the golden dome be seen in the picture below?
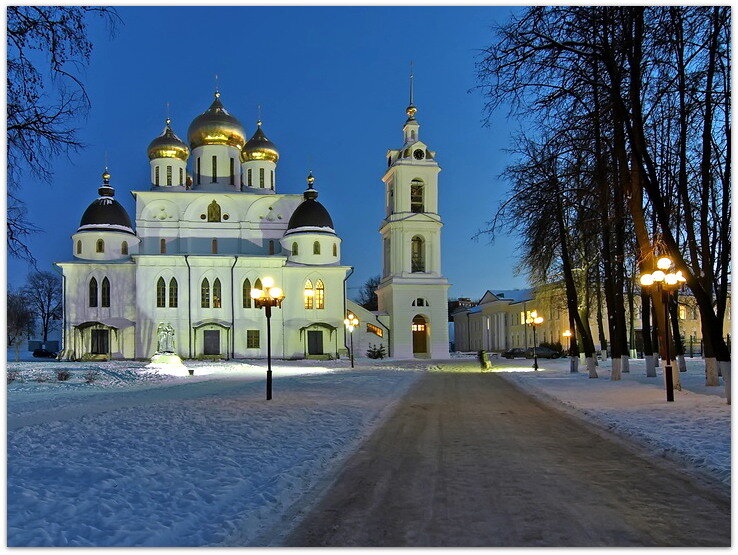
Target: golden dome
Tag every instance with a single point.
(215, 126)
(259, 147)
(168, 145)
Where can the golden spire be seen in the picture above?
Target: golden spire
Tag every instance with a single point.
(411, 109)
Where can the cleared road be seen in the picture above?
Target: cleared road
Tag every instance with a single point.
(469, 460)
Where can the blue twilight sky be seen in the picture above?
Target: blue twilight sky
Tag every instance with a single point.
(333, 87)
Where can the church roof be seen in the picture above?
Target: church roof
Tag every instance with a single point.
(310, 216)
(105, 213)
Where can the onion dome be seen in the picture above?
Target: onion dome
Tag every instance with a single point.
(168, 145)
(215, 126)
(310, 216)
(259, 147)
(105, 213)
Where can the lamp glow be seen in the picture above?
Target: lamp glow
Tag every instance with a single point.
(567, 333)
(647, 280)
(663, 263)
(658, 275)
(275, 292)
(256, 293)
(267, 282)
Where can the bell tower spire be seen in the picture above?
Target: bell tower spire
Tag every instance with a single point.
(412, 127)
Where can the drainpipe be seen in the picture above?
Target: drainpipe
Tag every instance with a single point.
(233, 311)
(189, 302)
(389, 336)
(64, 309)
(344, 305)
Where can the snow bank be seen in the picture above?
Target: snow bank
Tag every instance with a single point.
(694, 429)
(183, 461)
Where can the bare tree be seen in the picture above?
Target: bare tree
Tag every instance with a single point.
(21, 321)
(44, 295)
(367, 296)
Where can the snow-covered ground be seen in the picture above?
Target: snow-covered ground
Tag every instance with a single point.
(694, 429)
(141, 459)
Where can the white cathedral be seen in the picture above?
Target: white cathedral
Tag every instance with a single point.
(205, 236)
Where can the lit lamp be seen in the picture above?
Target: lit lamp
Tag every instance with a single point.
(534, 320)
(351, 322)
(665, 280)
(572, 363)
(267, 298)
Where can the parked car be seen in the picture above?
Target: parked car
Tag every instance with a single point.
(43, 353)
(542, 352)
(515, 353)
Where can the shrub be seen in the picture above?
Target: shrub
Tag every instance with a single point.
(376, 352)
(91, 376)
(63, 375)
(13, 376)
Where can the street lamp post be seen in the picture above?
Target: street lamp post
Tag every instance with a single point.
(534, 320)
(568, 334)
(351, 322)
(665, 283)
(267, 298)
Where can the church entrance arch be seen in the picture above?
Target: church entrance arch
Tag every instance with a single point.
(420, 335)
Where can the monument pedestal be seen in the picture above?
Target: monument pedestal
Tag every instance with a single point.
(168, 363)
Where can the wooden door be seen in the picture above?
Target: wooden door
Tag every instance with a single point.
(315, 342)
(211, 342)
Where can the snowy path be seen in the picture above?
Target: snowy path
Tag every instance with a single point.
(470, 460)
(182, 463)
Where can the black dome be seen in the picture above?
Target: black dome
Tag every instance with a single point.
(105, 214)
(310, 214)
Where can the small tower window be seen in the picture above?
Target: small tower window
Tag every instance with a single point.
(316, 247)
(272, 179)
(169, 176)
(213, 212)
(261, 178)
(198, 170)
(335, 249)
(216, 293)
(214, 246)
(417, 254)
(162, 246)
(100, 246)
(249, 179)
(161, 293)
(181, 177)
(79, 247)
(205, 294)
(294, 249)
(271, 247)
(156, 176)
(309, 294)
(246, 294)
(412, 135)
(215, 169)
(319, 295)
(123, 247)
(173, 293)
(233, 171)
(417, 204)
(93, 292)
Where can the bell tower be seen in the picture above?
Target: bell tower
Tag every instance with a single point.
(413, 291)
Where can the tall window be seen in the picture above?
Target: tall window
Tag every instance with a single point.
(214, 246)
(162, 246)
(181, 176)
(169, 176)
(319, 294)
(257, 285)
(100, 246)
(173, 293)
(233, 171)
(156, 176)
(216, 293)
(249, 180)
(316, 247)
(247, 294)
(272, 180)
(309, 294)
(79, 247)
(417, 255)
(198, 170)
(386, 256)
(335, 249)
(215, 169)
(271, 247)
(294, 249)
(124, 247)
(416, 196)
(161, 293)
(93, 292)
(205, 294)
(261, 177)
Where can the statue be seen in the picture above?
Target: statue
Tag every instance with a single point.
(165, 360)
(165, 338)
(213, 212)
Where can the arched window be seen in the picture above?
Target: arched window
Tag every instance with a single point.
(198, 170)
(294, 249)
(335, 249)
(412, 135)
(309, 294)
(261, 178)
(272, 187)
(232, 171)
(271, 247)
(79, 247)
(417, 203)
(249, 179)
(246, 294)
(161, 293)
(181, 176)
(105, 293)
(213, 212)
(420, 302)
(214, 246)
(205, 294)
(162, 246)
(93, 292)
(173, 293)
(319, 294)
(417, 255)
(215, 170)
(156, 176)
(257, 285)
(169, 176)
(216, 293)
(316, 247)
(124, 247)
(100, 246)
